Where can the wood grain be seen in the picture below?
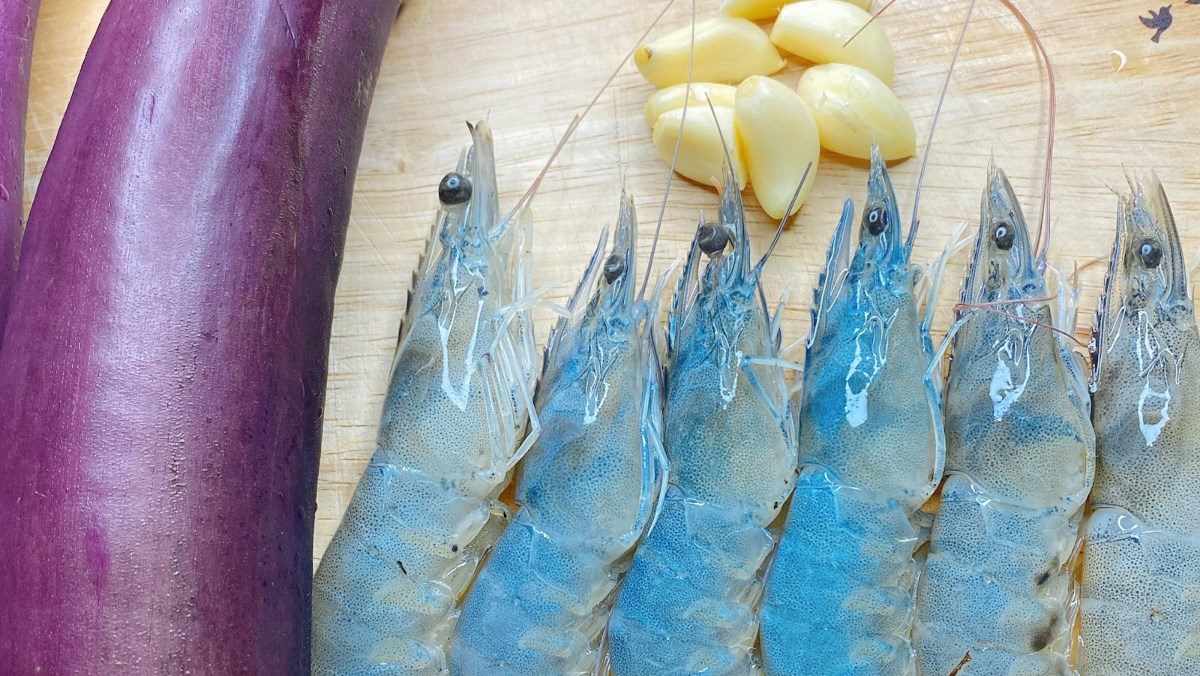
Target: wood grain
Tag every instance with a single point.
(530, 66)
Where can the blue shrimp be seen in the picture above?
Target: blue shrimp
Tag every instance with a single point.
(386, 594)
(587, 489)
(1140, 606)
(995, 594)
(839, 595)
(688, 602)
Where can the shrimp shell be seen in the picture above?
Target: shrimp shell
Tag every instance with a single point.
(688, 604)
(839, 595)
(1140, 606)
(426, 509)
(587, 488)
(995, 594)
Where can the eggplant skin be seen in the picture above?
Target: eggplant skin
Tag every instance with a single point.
(18, 18)
(164, 364)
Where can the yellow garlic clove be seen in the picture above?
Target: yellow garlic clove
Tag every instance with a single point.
(778, 138)
(701, 157)
(755, 10)
(760, 10)
(852, 108)
(817, 30)
(672, 97)
(727, 50)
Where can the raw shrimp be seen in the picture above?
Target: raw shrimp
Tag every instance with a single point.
(994, 597)
(587, 489)
(426, 509)
(838, 598)
(1140, 603)
(688, 602)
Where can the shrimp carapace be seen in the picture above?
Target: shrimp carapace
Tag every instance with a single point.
(1141, 565)
(426, 509)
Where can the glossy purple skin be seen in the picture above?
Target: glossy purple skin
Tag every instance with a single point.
(18, 18)
(164, 366)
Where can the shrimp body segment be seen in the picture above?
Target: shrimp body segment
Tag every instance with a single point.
(426, 509)
(995, 594)
(1140, 592)
(839, 595)
(587, 489)
(688, 604)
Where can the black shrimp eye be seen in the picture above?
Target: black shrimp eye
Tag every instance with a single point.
(1003, 235)
(454, 189)
(712, 239)
(614, 267)
(1150, 253)
(877, 220)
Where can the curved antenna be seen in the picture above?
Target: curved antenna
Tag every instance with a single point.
(782, 222)
(937, 114)
(579, 118)
(662, 210)
(870, 21)
(1043, 239)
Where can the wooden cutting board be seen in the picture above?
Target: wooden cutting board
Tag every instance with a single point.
(530, 66)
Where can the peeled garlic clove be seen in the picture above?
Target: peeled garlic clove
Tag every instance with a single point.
(701, 157)
(817, 30)
(752, 9)
(727, 50)
(759, 10)
(778, 138)
(852, 108)
(672, 97)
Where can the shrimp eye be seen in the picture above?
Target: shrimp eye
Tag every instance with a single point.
(454, 189)
(877, 220)
(1003, 235)
(1150, 253)
(712, 239)
(614, 267)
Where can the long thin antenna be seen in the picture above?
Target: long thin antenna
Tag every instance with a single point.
(870, 21)
(783, 221)
(662, 210)
(1043, 238)
(579, 118)
(937, 114)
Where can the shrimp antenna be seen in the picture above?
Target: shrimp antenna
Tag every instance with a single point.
(782, 222)
(937, 114)
(870, 21)
(579, 118)
(1043, 238)
(662, 210)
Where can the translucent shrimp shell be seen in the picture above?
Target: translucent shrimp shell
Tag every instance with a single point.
(587, 488)
(426, 509)
(689, 601)
(839, 596)
(994, 597)
(1141, 568)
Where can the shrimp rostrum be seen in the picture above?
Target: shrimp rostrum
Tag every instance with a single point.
(839, 595)
(995, 594)
(587, 489)
(1140, 606)
(426, 509)
(688, 603)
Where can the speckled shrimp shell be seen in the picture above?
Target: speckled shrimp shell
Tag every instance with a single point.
(688, 604)
(1140, 606)
(839, 595)
(587, 489)
(386, 593)
(995, 594)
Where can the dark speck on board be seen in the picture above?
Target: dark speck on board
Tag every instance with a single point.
(1160, 21)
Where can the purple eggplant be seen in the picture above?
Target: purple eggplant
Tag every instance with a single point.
(164, 363)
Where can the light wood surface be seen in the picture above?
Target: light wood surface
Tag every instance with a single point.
(530, 66)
